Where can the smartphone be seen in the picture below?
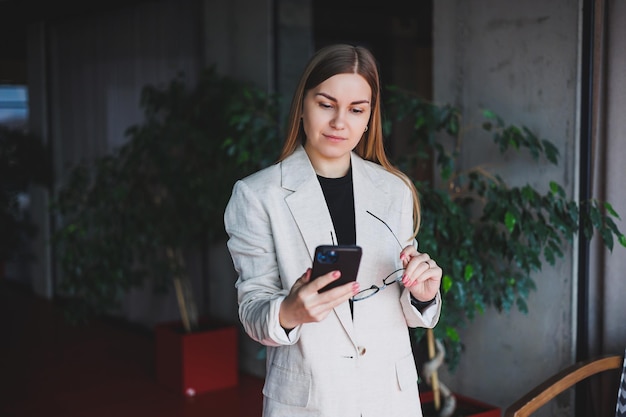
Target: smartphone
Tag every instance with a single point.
(345, 258)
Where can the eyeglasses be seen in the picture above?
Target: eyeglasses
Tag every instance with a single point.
(392, 278)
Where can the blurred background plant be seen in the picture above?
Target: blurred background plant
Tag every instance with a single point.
(131, 217)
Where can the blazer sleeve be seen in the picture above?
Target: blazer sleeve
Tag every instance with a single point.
(415, 318)
(259, 288)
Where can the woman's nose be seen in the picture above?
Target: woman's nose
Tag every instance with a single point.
(338, 121)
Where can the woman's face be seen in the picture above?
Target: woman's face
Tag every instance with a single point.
(334, 116)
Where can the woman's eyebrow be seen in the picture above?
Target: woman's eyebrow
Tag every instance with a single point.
(333, 99)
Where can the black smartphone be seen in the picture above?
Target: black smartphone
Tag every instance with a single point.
(345, 258)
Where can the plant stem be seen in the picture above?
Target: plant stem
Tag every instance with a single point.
(434, 378)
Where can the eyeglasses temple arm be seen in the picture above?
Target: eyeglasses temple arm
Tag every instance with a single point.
(387, 226)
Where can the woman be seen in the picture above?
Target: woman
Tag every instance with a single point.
(340, 352)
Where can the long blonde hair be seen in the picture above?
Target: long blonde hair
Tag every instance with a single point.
(346, 59)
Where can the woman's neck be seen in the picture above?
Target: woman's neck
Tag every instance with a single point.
(331, 168)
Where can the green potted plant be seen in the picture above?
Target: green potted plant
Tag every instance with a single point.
(23, 162)
(130, 218)
(490, 238)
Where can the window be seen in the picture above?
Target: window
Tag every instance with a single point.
(13, 105)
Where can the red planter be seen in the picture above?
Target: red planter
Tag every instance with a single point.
(198, 362)
(466, 407)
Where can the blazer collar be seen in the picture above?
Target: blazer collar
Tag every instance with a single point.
(315, 225)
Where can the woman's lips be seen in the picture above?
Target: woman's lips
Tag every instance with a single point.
(334, 138)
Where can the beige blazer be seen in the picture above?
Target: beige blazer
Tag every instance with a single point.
(341, 366)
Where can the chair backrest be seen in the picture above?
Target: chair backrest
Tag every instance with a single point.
(563, 380)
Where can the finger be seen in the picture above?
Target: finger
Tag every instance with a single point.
(324, 280)
(431, 278)
(341, 293)
(300, 282)
(306, 277)
(420, 270)
(417, 265)
(433, 264)
(319, 305)
(426, 290)
(407, 254)
(431, 275)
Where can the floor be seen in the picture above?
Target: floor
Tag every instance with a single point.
(50, 369)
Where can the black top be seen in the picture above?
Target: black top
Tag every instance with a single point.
(339, 196)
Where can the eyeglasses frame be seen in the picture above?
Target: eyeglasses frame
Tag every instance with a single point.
(375, 288)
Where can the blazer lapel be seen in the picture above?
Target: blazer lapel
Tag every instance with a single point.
(370, 194)
(306, 200)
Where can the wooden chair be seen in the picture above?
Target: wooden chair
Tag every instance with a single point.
(563, 380)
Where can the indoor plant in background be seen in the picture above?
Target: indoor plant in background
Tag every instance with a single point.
(134, 218)
(489, 237)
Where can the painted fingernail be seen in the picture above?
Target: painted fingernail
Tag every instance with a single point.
(355, 287)
(336, 274)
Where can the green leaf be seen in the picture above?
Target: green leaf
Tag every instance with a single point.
(446, 283)
(595, 216)
(489, 114)
(510, 221)
(453, 334)
(469, 272)
(611, 210)
(557, 189)
(551, 152)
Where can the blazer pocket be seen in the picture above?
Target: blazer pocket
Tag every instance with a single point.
(406, 372)
(287, 387)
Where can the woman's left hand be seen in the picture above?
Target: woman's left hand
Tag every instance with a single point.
(422, 275)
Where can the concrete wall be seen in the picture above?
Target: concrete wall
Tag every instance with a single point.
(519, 59)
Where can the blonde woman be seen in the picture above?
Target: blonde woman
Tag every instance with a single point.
(343, 352)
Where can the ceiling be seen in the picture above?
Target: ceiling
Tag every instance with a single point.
(16, 15)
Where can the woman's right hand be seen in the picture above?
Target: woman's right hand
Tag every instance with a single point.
(305, 304)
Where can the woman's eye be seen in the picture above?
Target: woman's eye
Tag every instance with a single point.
(357, 110)
(325, 106)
